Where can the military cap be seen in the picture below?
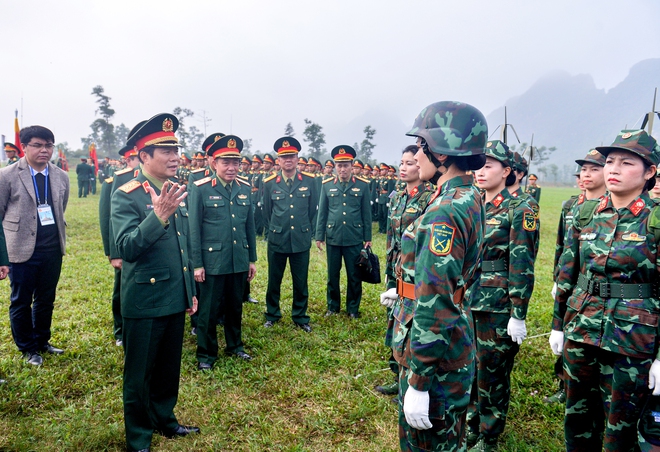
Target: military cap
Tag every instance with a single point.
(199, 155)
(227, 147)
(302, 161)
(343, 153)
(384, 166)
(245, 160)
(268, 159)
(578, 170)
(185, 156)
(11, 147)
(157, 131)
(313, 161)
(499, 151)
(286, 146)
(84, 157)
(593, 156)
(329, 164)
(256, 158)
(367, 167)
(519, 163)
(636, 141)
(127, 151)
(210, 140)
(532, 176)
(358, 164)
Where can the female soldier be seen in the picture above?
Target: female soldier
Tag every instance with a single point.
(607, 303)
(433, 337)
(405, 207)
(499, 305)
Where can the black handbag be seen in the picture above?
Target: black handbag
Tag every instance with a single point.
(368, 266)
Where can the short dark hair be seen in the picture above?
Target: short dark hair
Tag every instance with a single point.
(27, 133)
(466, 162)
(412, 148)
(149, 150)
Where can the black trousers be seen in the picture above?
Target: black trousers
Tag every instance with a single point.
(33, 284)
(152, 366)
(299, 263)
(116, 306)
(354, 289)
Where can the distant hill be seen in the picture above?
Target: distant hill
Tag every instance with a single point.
(570, 113)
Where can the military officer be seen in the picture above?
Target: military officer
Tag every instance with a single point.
(184, 168)
(328, 168)
(302, 164)
(109, 186)
(289, 211)
(11, 151)
(204, 169)
(150, 227)
(224, 250)
(344, 221)
(258, 182)
(84, 173)
(358, 166)
(534, 190)
(245, 168)
(386, 185)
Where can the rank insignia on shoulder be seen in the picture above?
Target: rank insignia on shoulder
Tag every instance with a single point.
(637, 207)
(202, 181)
(498, 200)
(130, 186)
(493, 222)
(588, 236)
(242, 196)
(442, 239)
(633, 237)
(242, 181)
(529, 221)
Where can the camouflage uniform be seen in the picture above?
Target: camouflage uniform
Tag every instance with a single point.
(535, 192)
(608, 308)
(404, 209)
(504, 290)
(433, 336)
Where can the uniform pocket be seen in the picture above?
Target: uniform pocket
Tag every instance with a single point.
(633, 328)
(148, 292)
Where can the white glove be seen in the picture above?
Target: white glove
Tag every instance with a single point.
(517, 330)
(553, 292)
(654, 377)
(259, 204)
(387, 204)
(388, 298)
(556, 342)
(416, 408)
(372, 203)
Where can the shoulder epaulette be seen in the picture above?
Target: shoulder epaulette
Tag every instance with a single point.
(243, 181)
(198, 170)
(130, 186)
(328, 180)
(362, 179)
(241, 177)
(109, 180)
(269, 178)
(203, 181)
(124, 171)
(307, 174)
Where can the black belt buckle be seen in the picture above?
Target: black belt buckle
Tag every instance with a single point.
(593, 287)
(605, 290)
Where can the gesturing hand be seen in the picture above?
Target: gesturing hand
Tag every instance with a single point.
(170, 197)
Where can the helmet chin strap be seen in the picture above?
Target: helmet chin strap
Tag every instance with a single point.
(439, 167)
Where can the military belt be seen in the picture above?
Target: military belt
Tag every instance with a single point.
(499, 265)
(616, 290)
(404, 289)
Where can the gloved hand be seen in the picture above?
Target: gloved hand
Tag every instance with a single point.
(553, 292)
(556, 342)
(416, 408)
(259, 204)
(517, 330)
(372, 203)
(654, 377)
(388, 298)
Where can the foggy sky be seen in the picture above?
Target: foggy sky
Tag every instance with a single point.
(253, 66)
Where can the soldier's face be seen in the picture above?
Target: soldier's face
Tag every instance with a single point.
(288, 163)
(625, 174)
(357, 170)
(256, 166)
(655, 191)
(244, 167)
(375, 172)
(163, 164)
(226, 169)
(301, 166)
(492, 176)
(426, 167)
(267, 166)
(408, 170)
(592, 177)
(366, 172)
(579, 183)
(343, 170)
(132, 162)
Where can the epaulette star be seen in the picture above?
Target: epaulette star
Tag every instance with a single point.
(203, 181)
(130, 186)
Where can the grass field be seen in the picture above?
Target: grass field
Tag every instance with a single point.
(302, 392)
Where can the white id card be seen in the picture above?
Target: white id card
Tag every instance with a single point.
(45, 215)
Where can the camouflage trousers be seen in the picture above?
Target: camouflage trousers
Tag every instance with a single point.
(389, 334)
(449, 396)
(605, 394)
(491, 388)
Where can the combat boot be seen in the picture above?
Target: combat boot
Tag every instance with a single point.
(558, 397)
(390, 389)
(485, 445)
(471, 438)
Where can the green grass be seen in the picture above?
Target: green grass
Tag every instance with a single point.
(302, 392)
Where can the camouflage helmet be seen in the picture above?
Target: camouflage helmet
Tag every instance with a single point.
(636, 141)
(520, 163)
(499, 151)
(451, 128)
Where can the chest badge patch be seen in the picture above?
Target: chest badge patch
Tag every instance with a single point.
(493, 222)
(242, 196)
(588, 236)
(442, 239)
(633, 237)
(529, 221)
(302, 189)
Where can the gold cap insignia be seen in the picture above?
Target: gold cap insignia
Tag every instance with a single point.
(489, 144)
(341, 151)
(168, 125)
(231, 144)
(626, 135)
(593, 152)
(285, 144)
(216, 138)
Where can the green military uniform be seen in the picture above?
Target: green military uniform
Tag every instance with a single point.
(289, 212)
(224, 245)
(85, 174)
(385, 187)
(534, 191)
(11, 147)
(607, 308)
(344, 222)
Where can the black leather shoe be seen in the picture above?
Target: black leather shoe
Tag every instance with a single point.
(180, 430)
(141, 450)
(353, 315)
(269, 324)
(252, 300)
(34, 358)
(305, 327)
(329, 313)
(244, 356)
(53, 350)
(204, 366)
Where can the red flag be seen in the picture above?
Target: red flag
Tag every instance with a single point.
(17, 138)
(92, 155)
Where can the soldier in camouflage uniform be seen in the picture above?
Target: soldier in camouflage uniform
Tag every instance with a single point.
(606, 310)
(405, 207)
(655, 192)
(433, 340)
(499, 303)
